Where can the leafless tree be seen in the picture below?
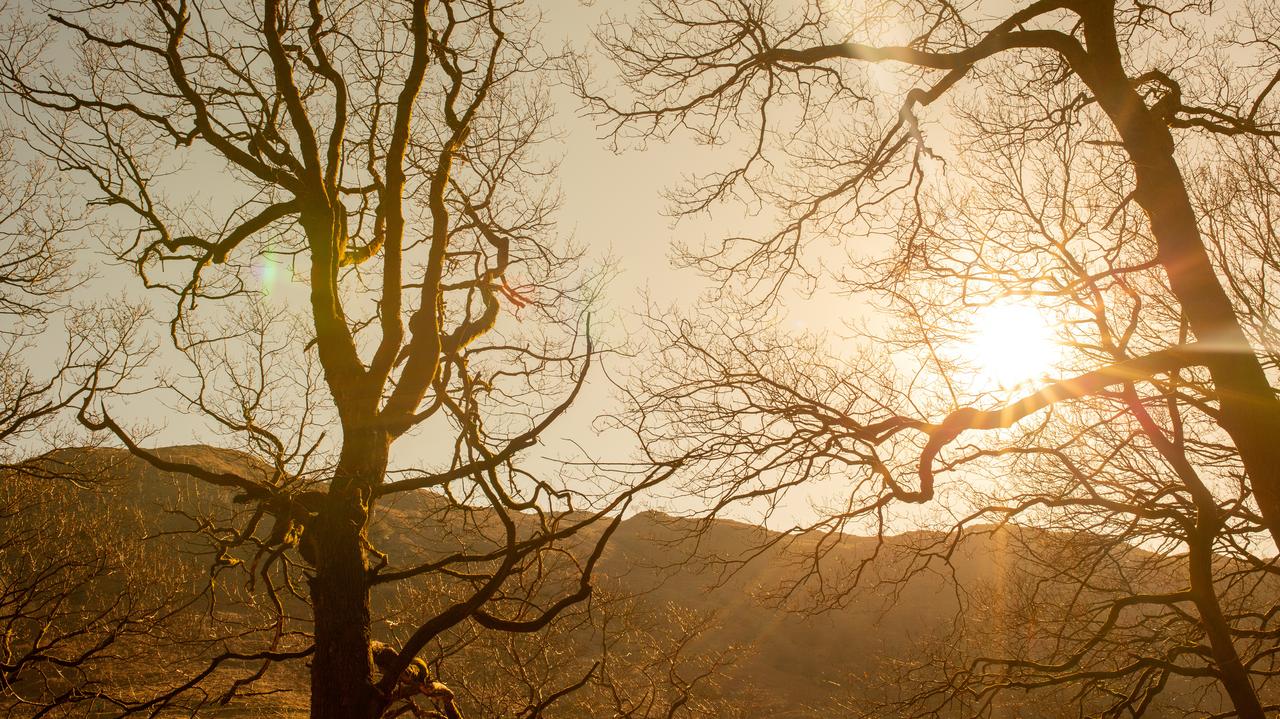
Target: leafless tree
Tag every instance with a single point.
(1132, 454)
(839, 156)
(391, 156)
(61, 615)
(1168, 577)
(648, 661)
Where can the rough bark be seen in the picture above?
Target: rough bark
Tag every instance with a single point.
(341, 675)
(343, 685)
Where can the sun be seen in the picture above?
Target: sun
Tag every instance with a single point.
(1009, 345)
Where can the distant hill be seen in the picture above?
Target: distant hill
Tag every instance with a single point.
(816, 651)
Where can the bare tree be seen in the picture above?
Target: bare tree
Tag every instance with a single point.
(391, 155)
(790, 84)
(61, 615)
(1171, 577)
(45, 367)
(649, 660)
(1164, 576)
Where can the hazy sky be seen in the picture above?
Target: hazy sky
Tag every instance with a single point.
(612, 203)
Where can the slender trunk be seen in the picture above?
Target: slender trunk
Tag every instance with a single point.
(343, 685)
(1248, 408)
(1200, 538)
(1231, 671)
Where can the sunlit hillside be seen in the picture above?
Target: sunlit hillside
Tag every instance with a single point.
(676, 601)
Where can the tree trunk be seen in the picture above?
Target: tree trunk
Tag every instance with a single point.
(1248, 409)
(343, 685)
(1231, 672)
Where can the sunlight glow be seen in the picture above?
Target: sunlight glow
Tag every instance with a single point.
(1009, 345)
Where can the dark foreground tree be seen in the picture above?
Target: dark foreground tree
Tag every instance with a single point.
(1103, 162)
(1152, 592)
(388, 154)
(841, 152)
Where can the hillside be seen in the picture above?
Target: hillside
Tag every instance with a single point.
(814, 651)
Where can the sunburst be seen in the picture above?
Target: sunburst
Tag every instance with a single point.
(1009, 345)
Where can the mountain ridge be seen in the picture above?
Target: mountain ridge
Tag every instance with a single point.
(808, 651)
